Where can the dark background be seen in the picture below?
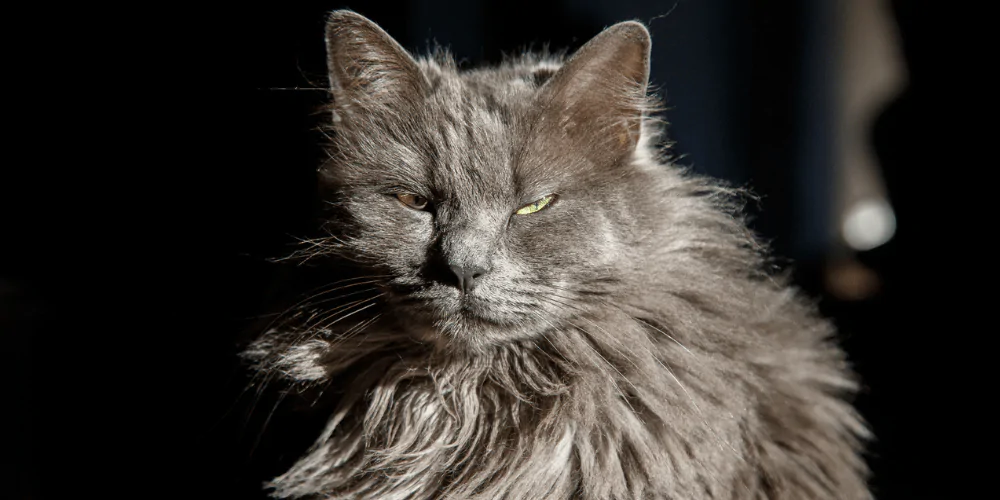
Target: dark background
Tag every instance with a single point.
(139, 258)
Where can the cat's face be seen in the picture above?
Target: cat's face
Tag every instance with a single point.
(489, 201)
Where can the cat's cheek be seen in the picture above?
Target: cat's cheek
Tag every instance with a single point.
(405, 245)
(388, 234)
(549, 233)
(606, 245)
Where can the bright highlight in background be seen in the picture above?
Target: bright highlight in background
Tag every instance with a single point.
(869, 224)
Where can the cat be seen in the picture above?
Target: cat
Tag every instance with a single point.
(536, 303)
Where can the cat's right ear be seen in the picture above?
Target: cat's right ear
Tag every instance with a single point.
(597, 99)
(368, 70)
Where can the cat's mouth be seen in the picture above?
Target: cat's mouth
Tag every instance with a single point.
(456, 307)
(476, 309)
(438, 312)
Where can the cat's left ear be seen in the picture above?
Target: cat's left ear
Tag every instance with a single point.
(598, 97)
(369, 71)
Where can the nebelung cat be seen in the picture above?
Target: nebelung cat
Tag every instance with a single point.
(536, 304)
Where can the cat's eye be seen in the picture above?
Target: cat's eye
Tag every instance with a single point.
(536, 205)
(414, 201)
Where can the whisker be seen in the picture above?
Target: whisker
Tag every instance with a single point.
(267, 421)
(323, 290)
(352, 313)
(270, 374)
(262, 379)
(354, 331)
(327, 314)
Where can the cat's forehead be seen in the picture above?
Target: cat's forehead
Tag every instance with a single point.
(475, 122)
(508, 88)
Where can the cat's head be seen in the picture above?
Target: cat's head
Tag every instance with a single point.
(491, 199)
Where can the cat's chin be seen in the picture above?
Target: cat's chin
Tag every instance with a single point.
(468, 331)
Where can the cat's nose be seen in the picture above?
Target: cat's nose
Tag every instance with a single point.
(468, 276)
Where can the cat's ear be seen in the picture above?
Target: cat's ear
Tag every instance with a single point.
(368, 70)
(598, 97)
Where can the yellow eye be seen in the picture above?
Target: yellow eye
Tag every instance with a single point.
(414, 201)
(536, 205)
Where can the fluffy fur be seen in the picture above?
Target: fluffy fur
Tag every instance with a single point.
(625, 343)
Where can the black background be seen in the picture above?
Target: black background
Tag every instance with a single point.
(131, 262)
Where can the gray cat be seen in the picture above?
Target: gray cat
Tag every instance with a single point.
(538, 305)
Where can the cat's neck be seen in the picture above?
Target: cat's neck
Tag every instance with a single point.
(445, 420)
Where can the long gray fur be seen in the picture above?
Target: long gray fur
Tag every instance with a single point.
(626, 343)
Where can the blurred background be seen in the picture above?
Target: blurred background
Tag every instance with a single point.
(820, 108)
